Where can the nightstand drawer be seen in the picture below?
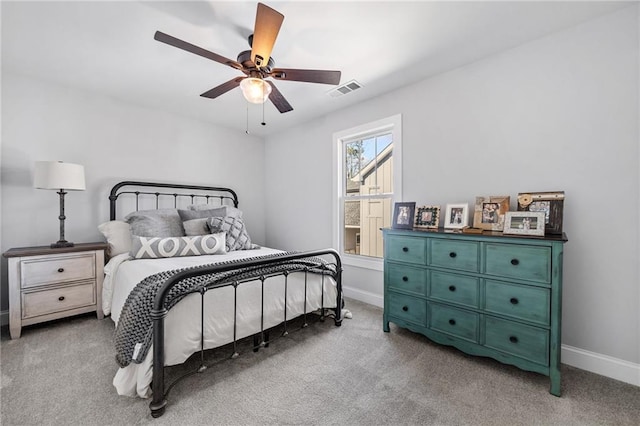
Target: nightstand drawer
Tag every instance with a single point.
(526, 302)
(407, 279)
(523, 262)
(407, 249)
(457, 322)
(524, 341)
(460, 255)
(454, 288)
(58, 299)
(408, 308)
(57, 269)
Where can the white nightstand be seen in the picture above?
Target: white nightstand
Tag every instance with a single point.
(50, 283)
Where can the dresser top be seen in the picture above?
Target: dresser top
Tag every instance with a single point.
(40, 250)
(495, 234)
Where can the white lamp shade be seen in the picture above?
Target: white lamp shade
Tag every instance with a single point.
(255, 90)
(59, 175)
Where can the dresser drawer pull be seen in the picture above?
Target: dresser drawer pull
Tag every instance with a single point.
(513, 339)
(60, 269)
(405, 249)
(61, 298)
(452, 254)
(514, 301)
(452, 321)
(515, 262)
(405, 279)
(405, 308)
(452, 288)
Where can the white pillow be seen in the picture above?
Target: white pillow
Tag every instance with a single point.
(118, 235)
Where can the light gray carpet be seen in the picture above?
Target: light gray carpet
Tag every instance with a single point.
(60, 373)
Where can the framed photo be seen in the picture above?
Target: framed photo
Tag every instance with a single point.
(524, 223)
(403, 215)
(550, 203)
(427, 217)
(456, 216)
(489, 212)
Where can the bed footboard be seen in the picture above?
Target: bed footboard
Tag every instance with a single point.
(159, 312)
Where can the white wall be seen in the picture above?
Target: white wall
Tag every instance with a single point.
(114, 141)
(559, 113)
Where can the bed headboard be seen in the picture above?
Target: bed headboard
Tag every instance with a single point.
(168, 194)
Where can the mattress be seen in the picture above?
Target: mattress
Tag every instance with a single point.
(183, 322)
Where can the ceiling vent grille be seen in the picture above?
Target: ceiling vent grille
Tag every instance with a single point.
(348, 87)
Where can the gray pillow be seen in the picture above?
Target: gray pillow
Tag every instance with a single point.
(155, 223)
(229, 210)
(153, 248)
(196, 227)
(237, 237)
(199, 214)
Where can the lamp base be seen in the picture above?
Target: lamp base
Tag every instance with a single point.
(62, 244)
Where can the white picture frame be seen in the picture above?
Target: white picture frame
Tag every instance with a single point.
(456, 216)
(524, 223)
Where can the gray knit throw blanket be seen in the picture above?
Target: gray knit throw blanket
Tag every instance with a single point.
(135, 326)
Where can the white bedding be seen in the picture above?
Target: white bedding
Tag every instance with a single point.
(182, 324)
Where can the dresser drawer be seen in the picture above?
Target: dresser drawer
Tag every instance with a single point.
(454, 288)
(456, 322)
(524, 341)
(58, 299)
(57, 269)
(523, 262)
(406, 279)
(460, 255)
(408, 308)
(525, 302)
(407, 249)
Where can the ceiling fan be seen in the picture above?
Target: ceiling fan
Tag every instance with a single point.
(257, 63)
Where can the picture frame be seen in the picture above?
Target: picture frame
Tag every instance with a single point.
(524, 223)
(489, 212)
(456, 216)
(403, 215)
(551, 203)
(427, 217)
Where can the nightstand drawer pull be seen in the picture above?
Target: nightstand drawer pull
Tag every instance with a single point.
(514, 301)
(513, 339)
(405, 278)
(452, 321)
(405, 249)
(60, 269)
(452, 288)
(515, 262)
(405, 308)
(452, 254)
(61, 298)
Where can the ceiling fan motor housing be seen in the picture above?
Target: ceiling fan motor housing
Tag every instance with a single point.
(245, 59)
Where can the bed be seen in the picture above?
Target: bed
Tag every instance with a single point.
(173, 296)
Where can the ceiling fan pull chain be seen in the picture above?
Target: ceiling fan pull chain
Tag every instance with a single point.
(247, 124)
(263, 123)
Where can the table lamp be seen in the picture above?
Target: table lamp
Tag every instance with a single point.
(59, 176)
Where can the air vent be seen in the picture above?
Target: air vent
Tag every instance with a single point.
(345, 88)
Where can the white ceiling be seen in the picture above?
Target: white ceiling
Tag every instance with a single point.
(108, 47)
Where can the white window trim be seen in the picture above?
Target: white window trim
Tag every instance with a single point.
(393, 124)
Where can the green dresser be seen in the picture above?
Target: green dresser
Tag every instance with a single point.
(491, 295)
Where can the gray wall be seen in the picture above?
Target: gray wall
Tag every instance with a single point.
(559, 113)
(114, 141)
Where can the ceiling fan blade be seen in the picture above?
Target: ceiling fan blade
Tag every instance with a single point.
(278, 100)
(265, 31)
(309, 76)
(175, 42)
(223, 88)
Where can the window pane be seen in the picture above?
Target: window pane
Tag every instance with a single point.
(362, 222)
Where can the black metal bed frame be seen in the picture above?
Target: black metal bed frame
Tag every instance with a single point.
(159, 312)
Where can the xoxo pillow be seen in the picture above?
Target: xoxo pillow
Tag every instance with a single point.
(156, 247)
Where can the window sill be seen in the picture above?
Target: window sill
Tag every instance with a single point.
(373, 263)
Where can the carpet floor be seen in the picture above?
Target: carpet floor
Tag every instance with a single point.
(60, 373)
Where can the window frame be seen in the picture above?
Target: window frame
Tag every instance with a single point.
(392, 124)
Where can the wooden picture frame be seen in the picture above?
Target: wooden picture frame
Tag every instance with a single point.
(427, 217)
(403, 215)
(550, 203)
(489, 212)
(524, 223)
(456, 216)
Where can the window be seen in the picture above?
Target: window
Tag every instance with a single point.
(367, 181)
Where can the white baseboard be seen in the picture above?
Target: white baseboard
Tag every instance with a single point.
(4, 318)
(364, 296)
(604, 365)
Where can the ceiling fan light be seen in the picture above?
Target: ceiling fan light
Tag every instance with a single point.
(255, 90)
